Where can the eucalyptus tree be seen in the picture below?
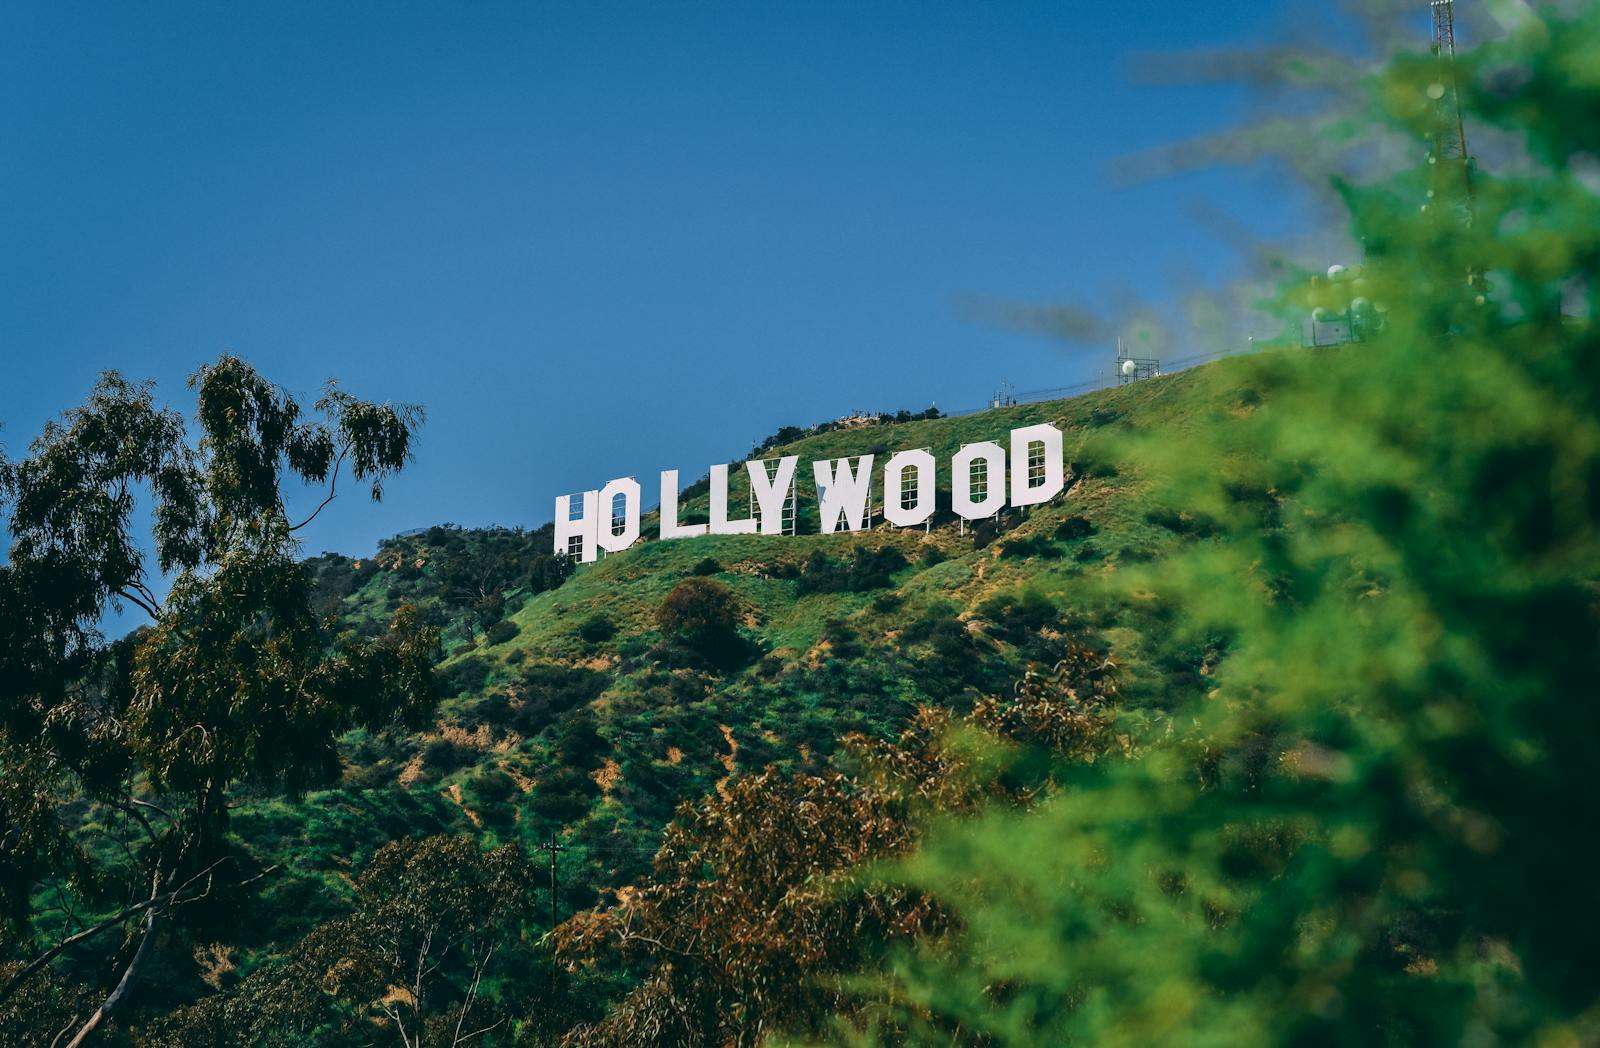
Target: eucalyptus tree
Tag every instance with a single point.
(435, 922)
(234, 679)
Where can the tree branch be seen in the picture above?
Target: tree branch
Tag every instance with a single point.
(115, 997)
(129, 809)
(472, 993)
(146, 593)
(124, 984)
(463, 1039)
(106, 925)
(134, 599)
(333, 486)
(394, 1014)
(153, 807)
(64, 1030)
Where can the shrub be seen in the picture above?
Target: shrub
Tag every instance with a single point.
(887, 602)
(1029, 546)
(489, 793)
(708, 566)
(468, 675)
(1074, 528)
(491, 786)
(596, 629)
(546, 571)
(563, 795)
(781, 569)
(841, 640)
(578, 742)
(699, 612)
(922, 627)
(874, 568)
(986, 531)
(501, 632)
(1180, 522)
(821, 574)
(1018, 615)
(489, 609)
(867, 569)
(441, 755)
(1094, 468)
(547, 691)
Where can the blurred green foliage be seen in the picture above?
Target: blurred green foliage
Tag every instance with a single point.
(1374, 820)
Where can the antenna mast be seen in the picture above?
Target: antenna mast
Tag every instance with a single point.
(1452, 175)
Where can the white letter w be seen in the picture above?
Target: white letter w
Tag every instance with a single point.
(841, 492)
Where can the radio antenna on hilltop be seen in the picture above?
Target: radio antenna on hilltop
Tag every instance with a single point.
(1131, 368)
(1447, 140)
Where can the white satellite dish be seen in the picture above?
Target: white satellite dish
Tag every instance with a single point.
(1128, 367)
(1336, 271)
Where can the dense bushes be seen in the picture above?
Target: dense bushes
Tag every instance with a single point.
(489, 793)
(500, 632)
(597, 629)
(1074, 528)
(790, 434)
(759, 881)
(443, 754)
(1018, 615)
(703, 615)
(467, 675)
(546, 691)
(951, 657)
(461, 578)
(866, 569)
(1031, 546)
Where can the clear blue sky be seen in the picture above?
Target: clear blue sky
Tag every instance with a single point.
(591, 239)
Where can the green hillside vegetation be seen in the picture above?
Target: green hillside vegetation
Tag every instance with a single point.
(587, 723)
(1276, 728)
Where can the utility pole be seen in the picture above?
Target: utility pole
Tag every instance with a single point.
(552, 846)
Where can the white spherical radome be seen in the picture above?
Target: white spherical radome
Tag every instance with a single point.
(1129, 367)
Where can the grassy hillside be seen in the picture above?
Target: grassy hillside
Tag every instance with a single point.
(570, 714)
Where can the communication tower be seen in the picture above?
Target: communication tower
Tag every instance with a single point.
(1448, 159)
(1132, 369)
(1449, 184)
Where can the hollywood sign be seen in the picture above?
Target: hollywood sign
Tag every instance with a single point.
(1033, 463)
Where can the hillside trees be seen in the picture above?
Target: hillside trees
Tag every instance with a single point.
(435, 921)
(1372, 825)
(757, 906)
(234, 680)
(466, 579)
(741, 916)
